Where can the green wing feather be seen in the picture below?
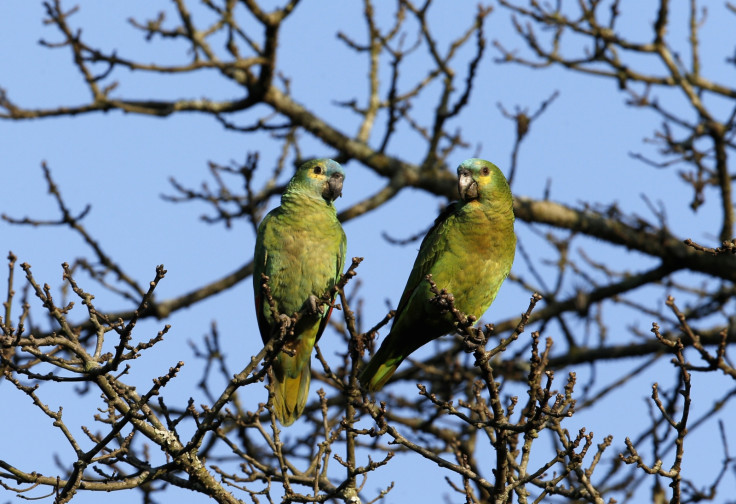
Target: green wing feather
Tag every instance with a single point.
(428, 252)
(409, 311)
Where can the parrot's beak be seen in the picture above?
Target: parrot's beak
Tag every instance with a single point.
(333, 189)
(466, 186)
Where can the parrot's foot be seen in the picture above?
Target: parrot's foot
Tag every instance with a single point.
(313, 306)
(284, 321)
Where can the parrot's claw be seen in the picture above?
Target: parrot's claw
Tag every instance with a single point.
(313, 305)
(284, 320)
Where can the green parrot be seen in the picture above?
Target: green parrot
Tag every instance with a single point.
(468, 252)
(301, 247)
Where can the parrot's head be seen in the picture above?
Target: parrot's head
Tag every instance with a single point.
(319, 177)
(478, 179)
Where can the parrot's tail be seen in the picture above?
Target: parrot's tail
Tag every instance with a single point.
(379, 369)
(291, 388)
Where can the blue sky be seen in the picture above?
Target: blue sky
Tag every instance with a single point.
(120, 164)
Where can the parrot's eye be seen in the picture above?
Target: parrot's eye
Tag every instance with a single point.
(318, 170)
(485, 171)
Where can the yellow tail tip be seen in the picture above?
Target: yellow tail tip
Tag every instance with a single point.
(373, 380)
(290, 393)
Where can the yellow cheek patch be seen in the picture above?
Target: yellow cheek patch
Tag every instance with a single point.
(484, 180)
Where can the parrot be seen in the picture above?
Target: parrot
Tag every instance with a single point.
(300, 246)
(468, 251)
